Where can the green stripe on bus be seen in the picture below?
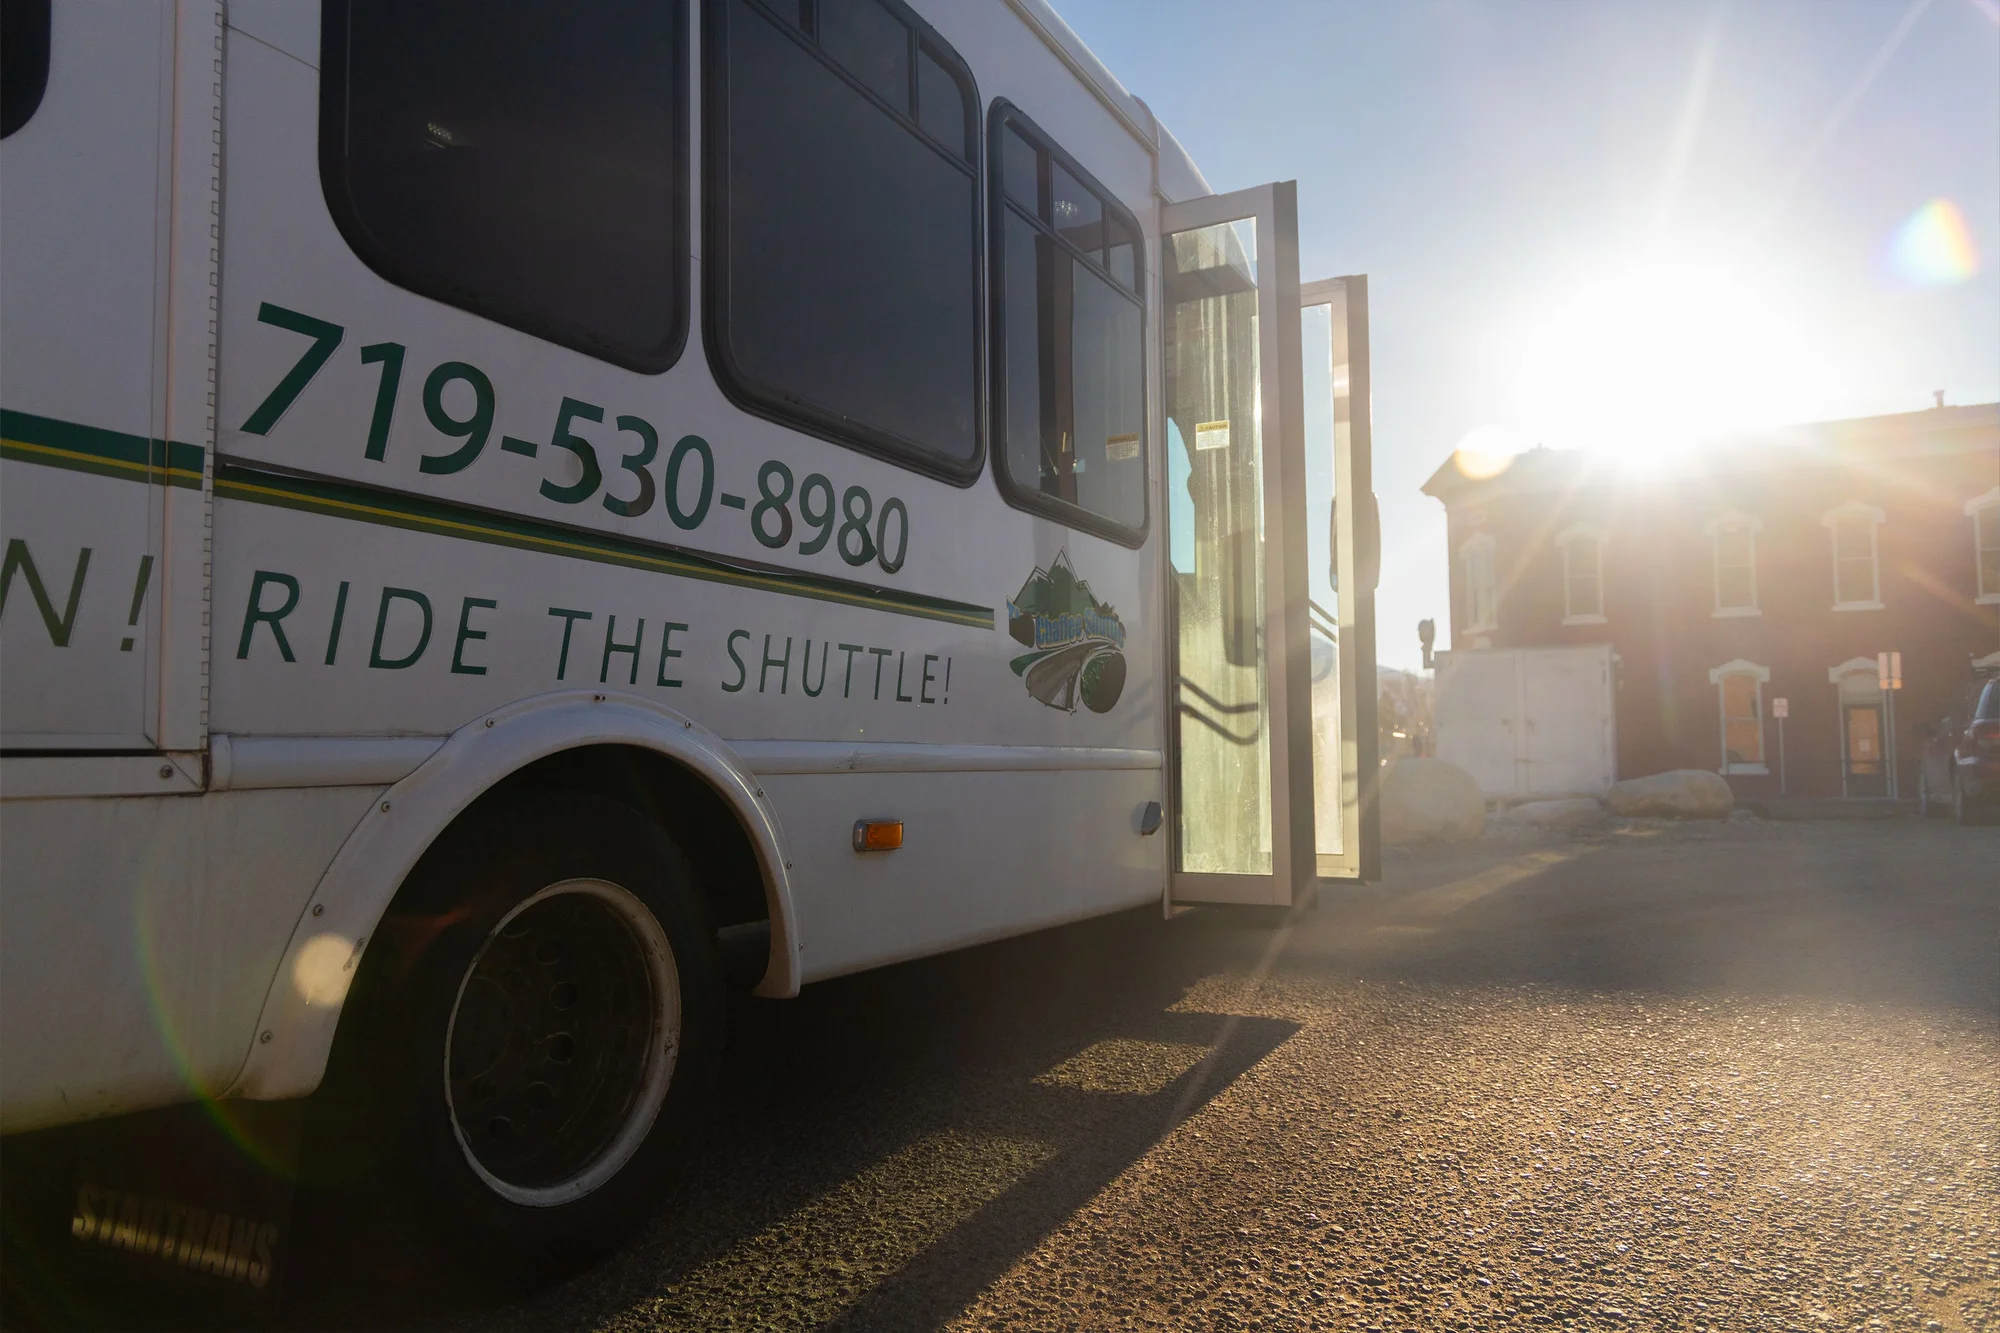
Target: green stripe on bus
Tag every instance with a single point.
(27, 438)
(367, 504)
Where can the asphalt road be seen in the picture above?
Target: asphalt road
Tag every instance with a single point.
(1725, 1076)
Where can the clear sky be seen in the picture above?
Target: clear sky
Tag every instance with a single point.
(1606, 222)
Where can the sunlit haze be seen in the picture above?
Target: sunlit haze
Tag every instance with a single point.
(1619, 226)
(1645, 361)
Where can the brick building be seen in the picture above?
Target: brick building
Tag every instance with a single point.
(1766, 567)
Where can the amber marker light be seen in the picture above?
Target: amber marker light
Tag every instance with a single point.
(878, 835)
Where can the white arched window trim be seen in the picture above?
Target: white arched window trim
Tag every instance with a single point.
(1482, 584)
(1832, 519)
(1719, 677)
(1572, 614)
(1985, 589)
(1715, 527)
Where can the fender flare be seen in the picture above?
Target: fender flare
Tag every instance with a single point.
(295, 1030)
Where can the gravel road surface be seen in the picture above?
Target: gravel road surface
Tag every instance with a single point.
(1724, 1076)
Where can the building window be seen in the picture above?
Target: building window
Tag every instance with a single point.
(1583, 575)
(1733, 538)
(463, 158)
(1740, 692)
(1984, 511)
(1857, 583)
(1482, 591)
(841, 228)
(1069, 396)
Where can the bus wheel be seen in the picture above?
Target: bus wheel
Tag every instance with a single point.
(554, 1029)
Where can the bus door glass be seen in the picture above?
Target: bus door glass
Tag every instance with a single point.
(1343, 561)
(1235, 507)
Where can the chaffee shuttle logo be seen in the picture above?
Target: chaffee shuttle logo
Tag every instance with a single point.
(1078, 641)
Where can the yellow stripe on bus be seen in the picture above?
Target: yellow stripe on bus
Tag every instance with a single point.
(663, 563)
(99, 460)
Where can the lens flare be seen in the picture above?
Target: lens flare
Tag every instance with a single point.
(323, 970)
(157, 937)
(1934, 247)
(1488, 451)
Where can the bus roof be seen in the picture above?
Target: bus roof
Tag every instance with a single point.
(1179, 177)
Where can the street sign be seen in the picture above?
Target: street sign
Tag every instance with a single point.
(1889, 670)
(1781, 708)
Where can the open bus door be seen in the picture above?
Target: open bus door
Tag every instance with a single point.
(1343, 565)
(1269, 729)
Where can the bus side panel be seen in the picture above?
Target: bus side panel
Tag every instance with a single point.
(350, 600)
(964, 546)
(74, 660)
(83, 267)
(141, 939)
(984, 855)
(330, 625)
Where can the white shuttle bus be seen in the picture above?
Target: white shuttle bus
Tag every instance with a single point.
(506, 501)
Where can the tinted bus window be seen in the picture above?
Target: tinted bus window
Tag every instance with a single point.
(842, 229)
(1069, 339)
(24, 61)
(521, 160)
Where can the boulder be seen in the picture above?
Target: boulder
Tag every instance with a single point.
(1425, 800)
(1572, 812)
(1685, 793)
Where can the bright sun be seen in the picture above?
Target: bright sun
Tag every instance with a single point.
(1648, 361)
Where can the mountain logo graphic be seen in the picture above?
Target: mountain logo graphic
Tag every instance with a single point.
(1078, 642)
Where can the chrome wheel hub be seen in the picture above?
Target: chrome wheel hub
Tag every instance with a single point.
(562, 1042)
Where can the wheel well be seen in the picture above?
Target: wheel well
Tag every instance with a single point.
(700, 822)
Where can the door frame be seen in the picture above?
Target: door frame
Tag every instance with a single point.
(1273, 208)
(1357, 554)
(1848, 777)
(1854, 666)
(172, 66)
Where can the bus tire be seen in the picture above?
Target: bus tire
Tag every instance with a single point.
(548, 1027)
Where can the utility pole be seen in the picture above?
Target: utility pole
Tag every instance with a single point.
(1780, 709)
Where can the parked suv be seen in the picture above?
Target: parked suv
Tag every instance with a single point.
(1961, 761)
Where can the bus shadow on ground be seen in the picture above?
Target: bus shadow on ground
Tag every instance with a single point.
(882, 1148)
(889, 1145)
